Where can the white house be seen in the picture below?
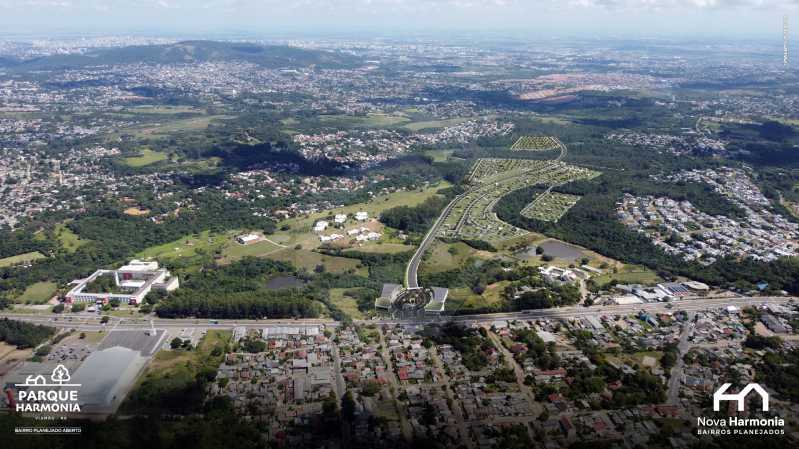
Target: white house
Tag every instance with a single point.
(361, 216)
(340, 218)
(320, 225)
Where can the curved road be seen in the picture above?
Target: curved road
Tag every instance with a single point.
(411, 271)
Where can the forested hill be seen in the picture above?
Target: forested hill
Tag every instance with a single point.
(269, 56)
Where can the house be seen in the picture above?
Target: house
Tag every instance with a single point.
(340, 218)
(320, 225)
(361, 216)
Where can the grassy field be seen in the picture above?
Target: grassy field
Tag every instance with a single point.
(162, 109)
(68, 239)
(439, 155)
(630, 275)
(233, 251)
(147, 157)
(383, 248)
(434, 124)
(21, 258)
(189, 246)
(368, 121)
(174, 371)
(446, 256)
(309, 260)
(347, 304)
(38, 293)
(300, 227)
(188, 124)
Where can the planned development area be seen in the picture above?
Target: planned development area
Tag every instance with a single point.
(472, 216)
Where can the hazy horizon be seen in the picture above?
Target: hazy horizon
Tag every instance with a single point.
(732, 19)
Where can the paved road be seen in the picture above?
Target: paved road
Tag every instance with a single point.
(688, 305)
(675, 379)
(411, 270)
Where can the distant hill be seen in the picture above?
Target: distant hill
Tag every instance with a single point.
(269, 56)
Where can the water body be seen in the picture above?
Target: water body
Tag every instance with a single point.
(281, 282)
(561, 250)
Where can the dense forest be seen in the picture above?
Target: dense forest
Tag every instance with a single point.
(24, 335)
(239, 291)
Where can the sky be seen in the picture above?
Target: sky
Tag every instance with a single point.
(657, 18)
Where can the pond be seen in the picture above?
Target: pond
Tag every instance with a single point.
(281, 282)
(561, 250)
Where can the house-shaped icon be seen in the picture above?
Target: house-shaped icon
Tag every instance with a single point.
(35, 380)
(740, 398)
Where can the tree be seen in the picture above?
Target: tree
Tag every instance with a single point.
(176, 343)
(348, 406)
(104, 319)
(78, 307)
(58, 308)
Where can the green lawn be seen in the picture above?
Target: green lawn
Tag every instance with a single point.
(146, 157)
(38, 293)
(630, 275)
(383, 248)
(347, 304)
(234, 251)
(309, 260)
(433, 124)
(188, 246)
(68, 239)
(21, 258)
(369, 120)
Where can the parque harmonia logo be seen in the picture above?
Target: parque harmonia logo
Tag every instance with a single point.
(37, 395)
(741, 425)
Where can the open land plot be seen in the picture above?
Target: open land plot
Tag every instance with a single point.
(434, 124)
(68, 239)
(309, 260)
(382, 248)
(550, 206)
(368, 121)
(21, 259)
(473, 218)
(630, 274)
(300, 228)
(173, 126)
(146, 157)
(37, 293)
(535, 143)
(346, 304)
(188, 246)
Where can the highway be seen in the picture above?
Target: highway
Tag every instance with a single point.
(411, 271)
(85, 322)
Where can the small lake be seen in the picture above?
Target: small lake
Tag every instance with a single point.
(561, 250)
(281, 282)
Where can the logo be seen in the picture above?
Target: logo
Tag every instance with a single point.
(40, 396)
(751, 423)
(740, 398)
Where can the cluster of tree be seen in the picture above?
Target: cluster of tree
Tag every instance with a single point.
(24, 335)
(414, 218)
(239, 291)
(780, 371)
(471, 343)
(542, 354)
(761, 342)
(17, 242)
